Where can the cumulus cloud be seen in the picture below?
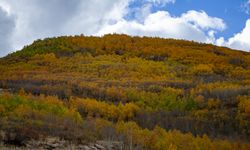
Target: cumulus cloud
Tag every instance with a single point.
(202, 20)
(161, 2)
(24, 21)
(246, 7)
(240, 41)
(193, 25)
(38, 19)
(6, 29)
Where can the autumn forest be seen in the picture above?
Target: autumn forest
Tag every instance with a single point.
(147, 93)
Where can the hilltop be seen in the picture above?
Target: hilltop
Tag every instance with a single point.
(148, 93)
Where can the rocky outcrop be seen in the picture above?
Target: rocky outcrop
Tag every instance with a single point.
(54, 143)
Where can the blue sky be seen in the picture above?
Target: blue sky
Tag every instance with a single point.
(229, 10)
(219, 22)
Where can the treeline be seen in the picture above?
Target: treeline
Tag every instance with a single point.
(156, 49)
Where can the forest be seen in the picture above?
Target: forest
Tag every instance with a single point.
(148, 93)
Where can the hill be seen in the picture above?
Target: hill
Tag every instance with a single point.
(148, 93)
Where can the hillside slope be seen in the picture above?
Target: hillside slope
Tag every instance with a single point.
(117, 82)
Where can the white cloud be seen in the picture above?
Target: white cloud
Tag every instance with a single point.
(246, 7)
(23, 21)
(7, 26)
(192, 25)
(220, 41)
(93, 14)
(240, 41)
(161, 2)
(202, 20)
(39, 19)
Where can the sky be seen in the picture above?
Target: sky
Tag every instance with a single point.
(220, 22)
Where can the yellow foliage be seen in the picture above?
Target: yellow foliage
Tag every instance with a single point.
(22, 92)
(213, 103)
(201, 113)
(199, 99)
(2, 110)
(244, 104)
(96, 108)
(202, 69)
